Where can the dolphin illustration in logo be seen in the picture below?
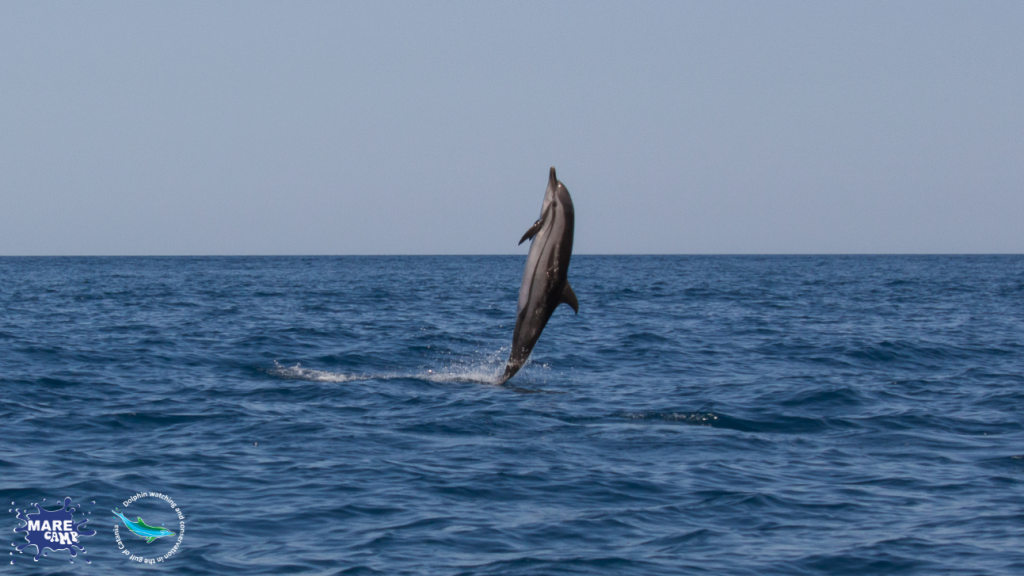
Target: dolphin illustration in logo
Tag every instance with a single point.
(143, 530)
(545, 278)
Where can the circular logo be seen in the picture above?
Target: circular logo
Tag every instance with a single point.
(149, 527)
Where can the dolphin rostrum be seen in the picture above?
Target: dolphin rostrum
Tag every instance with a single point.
(545, 283)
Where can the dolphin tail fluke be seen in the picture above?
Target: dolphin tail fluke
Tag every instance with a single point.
(510, 371)
(504, 377)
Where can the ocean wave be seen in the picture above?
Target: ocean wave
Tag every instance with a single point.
(708, 431)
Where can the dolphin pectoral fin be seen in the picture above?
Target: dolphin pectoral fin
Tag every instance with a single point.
(569, 297)
(532, 231)
(150, 539)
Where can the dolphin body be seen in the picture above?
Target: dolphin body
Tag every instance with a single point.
(143, 530)
(545, 282)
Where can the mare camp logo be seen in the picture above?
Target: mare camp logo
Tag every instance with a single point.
(52, 530)
(155, 534)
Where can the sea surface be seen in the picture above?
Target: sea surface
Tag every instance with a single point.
(740, 415)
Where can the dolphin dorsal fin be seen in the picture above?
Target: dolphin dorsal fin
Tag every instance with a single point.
(569, 297)
(532, 231)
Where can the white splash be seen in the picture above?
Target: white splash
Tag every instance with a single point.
(297, 372)
(485, 371)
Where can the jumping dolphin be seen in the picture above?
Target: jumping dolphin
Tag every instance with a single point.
(143, 530)
(545, 283)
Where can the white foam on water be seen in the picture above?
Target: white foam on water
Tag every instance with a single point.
(698, 418)
(297, 372)
(460, 374)
(483, 371)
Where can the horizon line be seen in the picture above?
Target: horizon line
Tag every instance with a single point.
(688, 254)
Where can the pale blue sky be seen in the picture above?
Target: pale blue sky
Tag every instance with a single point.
(428, 127)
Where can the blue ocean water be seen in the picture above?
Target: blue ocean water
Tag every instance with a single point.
(700, 415)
